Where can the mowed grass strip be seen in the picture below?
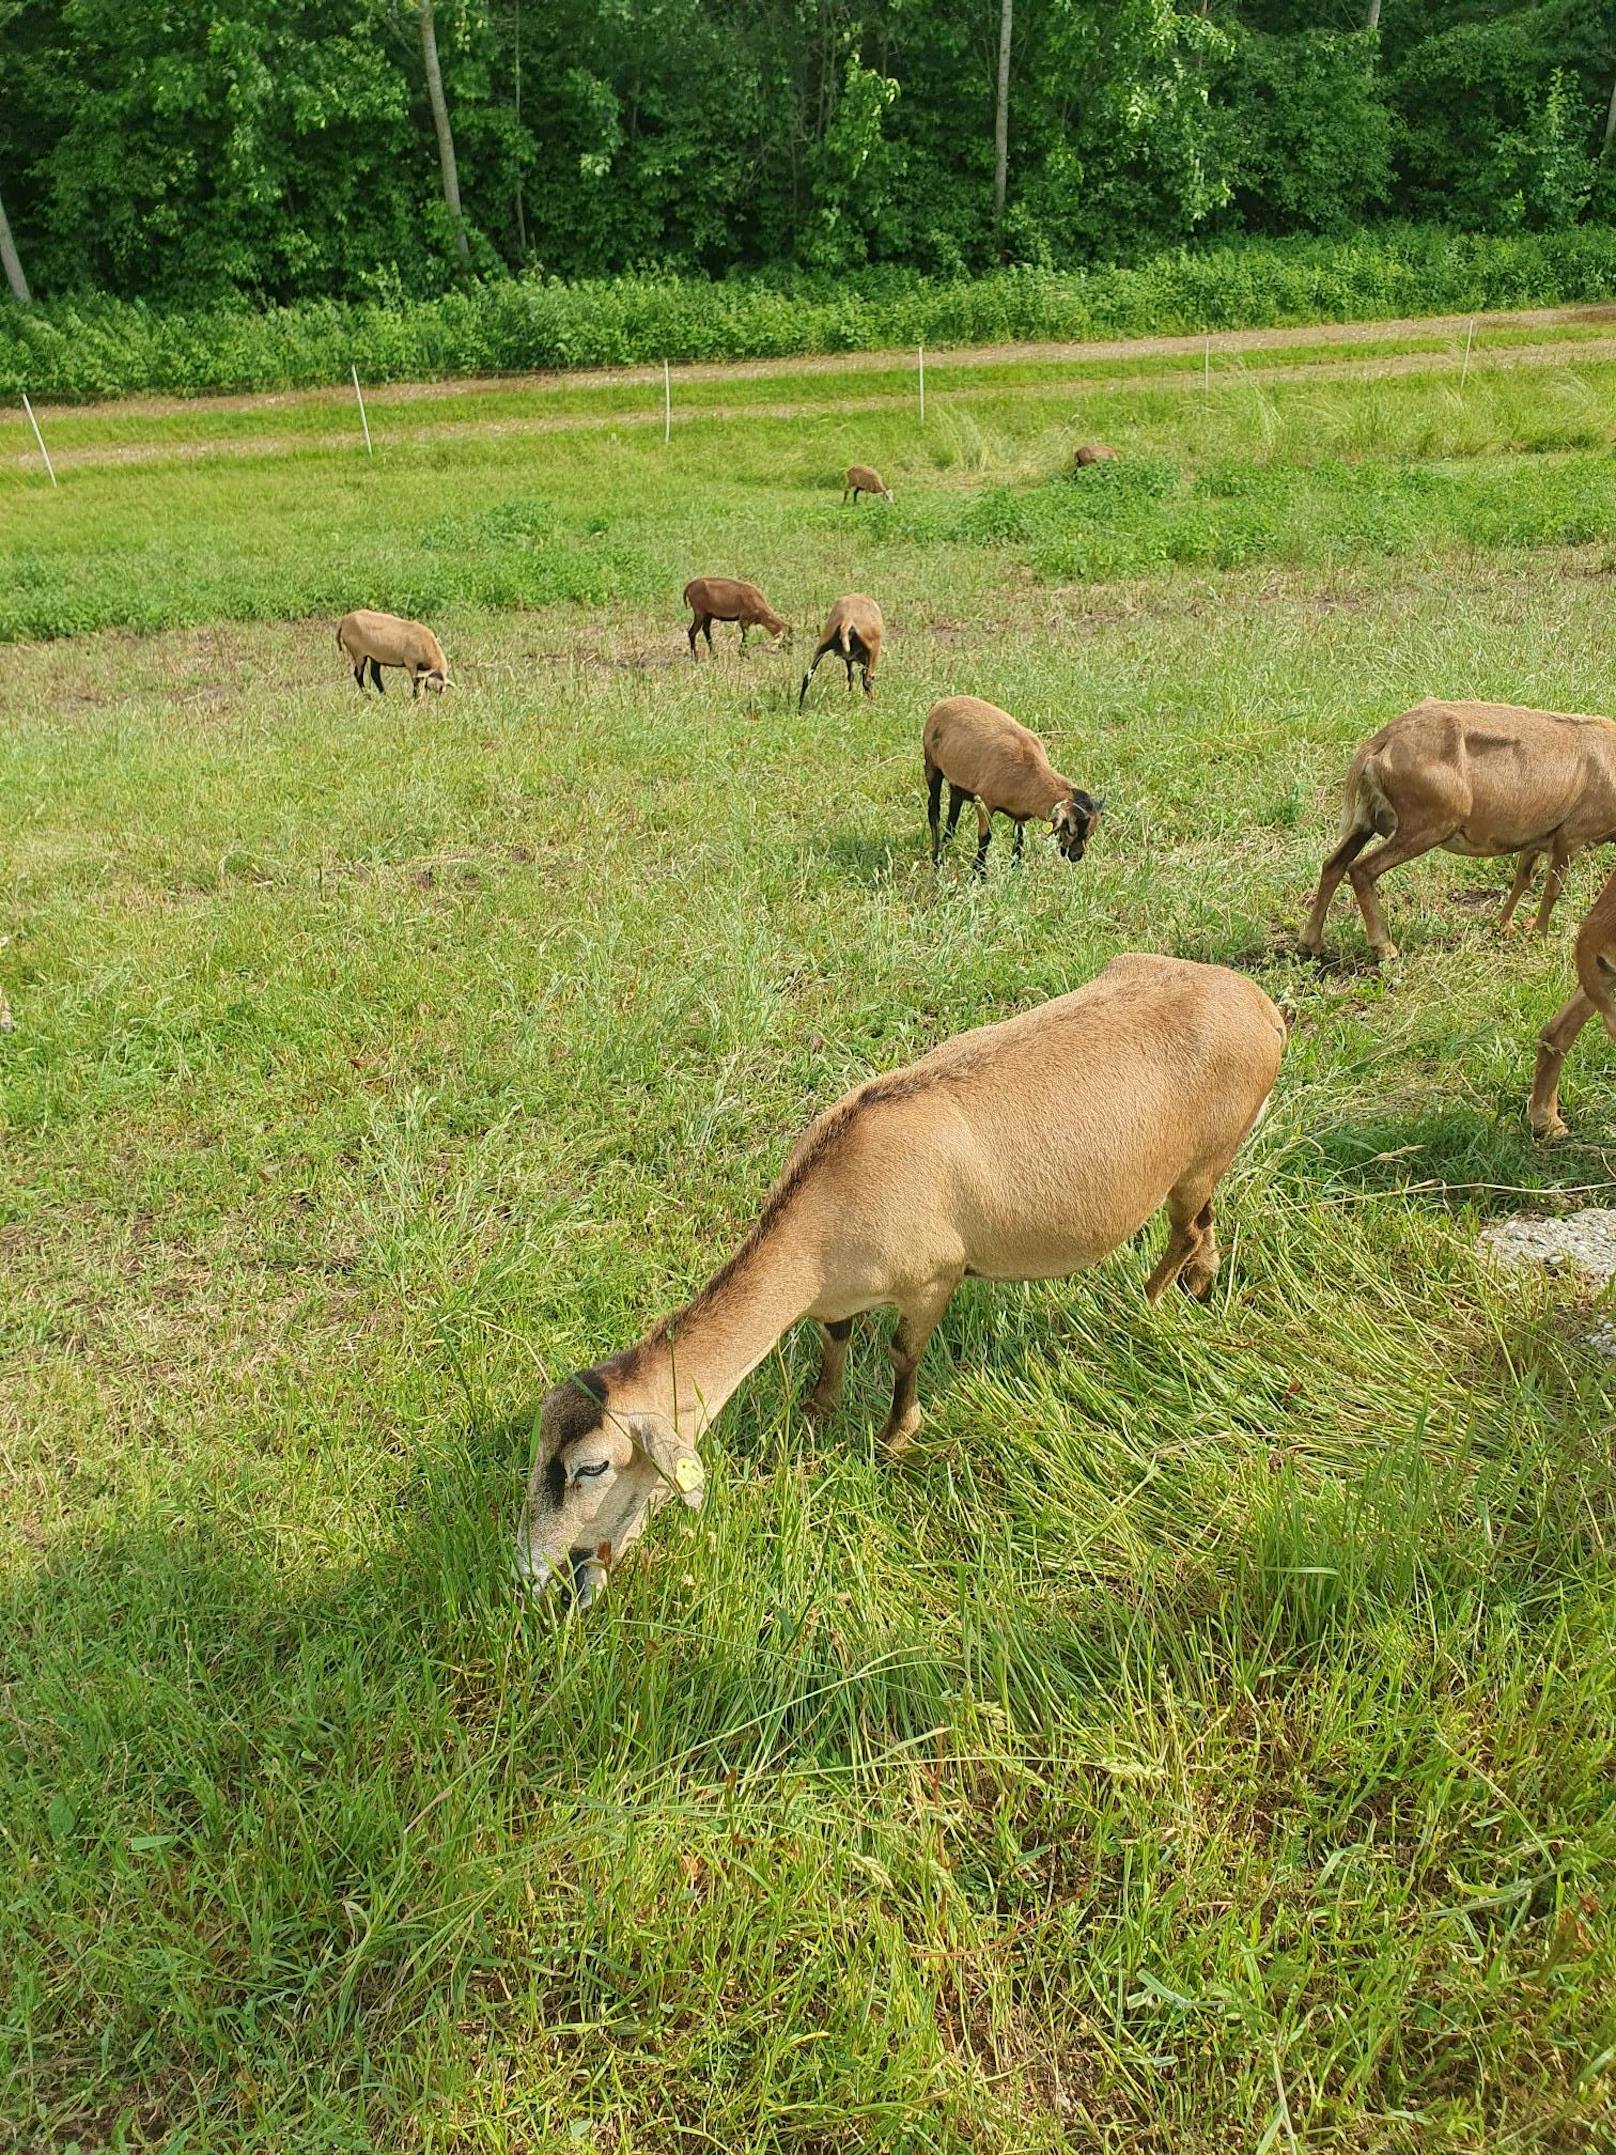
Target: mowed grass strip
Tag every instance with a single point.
(1282, 474)
(1201, 1741)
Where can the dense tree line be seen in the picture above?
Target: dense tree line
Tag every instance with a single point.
(186, 149)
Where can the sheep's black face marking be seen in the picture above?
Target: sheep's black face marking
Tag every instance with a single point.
(1074, 822)
(596, 1480)
(572, 1410)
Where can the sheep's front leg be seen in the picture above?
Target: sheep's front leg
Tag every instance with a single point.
(1553, 1045)
(984, 838)
(826, 1396)
(917, 1320)
(1015, 850)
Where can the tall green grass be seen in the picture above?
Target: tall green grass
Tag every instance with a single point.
(99, 348)
(1202, 1740)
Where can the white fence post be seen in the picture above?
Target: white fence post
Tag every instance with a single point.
(667, 405)
(1465, 369)
(363, 421)
(1206, 369)
(44, 452)
(923, 385)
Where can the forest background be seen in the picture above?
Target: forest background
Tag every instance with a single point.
(188, 152)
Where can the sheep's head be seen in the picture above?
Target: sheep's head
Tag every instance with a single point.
(435, 679)
(599, 1473)
(1073, 821)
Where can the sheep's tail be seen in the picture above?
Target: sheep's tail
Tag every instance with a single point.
(843, 639)
(1366, 809)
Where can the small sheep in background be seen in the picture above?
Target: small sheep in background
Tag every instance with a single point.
(861, 479)
(1092, 452)
(987, 758)
(854, 630)
(377, 640)
(724, 598)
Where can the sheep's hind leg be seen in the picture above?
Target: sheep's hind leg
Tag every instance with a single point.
(1397, 852)
(984, 838)
(1554, 882)
(359, 676)
(826, 1396)
(934, 798)
(916, 1323)
(376, 677)
(1329, 882)
(1525, 861)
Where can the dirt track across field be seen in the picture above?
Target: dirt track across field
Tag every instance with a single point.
(1226, 343)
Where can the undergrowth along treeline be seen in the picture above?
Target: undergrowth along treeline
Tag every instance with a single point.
(112, 348)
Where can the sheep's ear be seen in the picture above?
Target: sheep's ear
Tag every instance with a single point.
(678, 1463)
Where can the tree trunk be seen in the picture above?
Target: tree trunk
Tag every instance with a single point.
(1610, 129)
(1372, 18)
(521, 207)
(1001, 113)
(440, 120)
(10, 263)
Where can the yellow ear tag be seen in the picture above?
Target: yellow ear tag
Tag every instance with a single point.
(687, 1473)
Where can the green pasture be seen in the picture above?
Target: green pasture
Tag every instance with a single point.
(1202, 1741)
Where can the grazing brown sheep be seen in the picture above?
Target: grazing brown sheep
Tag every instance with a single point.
(724, 598)
(862, 480)
(987, 757)
(1596, 981)
(1092, 452)
(1025, 1150)
(1474, 778)
(377, 640)
(854, 630)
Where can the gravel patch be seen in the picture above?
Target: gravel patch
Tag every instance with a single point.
(1583, 1241)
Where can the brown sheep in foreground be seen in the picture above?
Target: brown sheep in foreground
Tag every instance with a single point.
(724, 598)
(1596, 979)
(855, 631)
(377, 640)
(987, 757)
(861, 479)
(1474, 778)
(1024, 1150)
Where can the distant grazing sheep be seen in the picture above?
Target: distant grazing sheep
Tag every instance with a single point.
(723, 598)
(1474, 778)
(378, 640)
(854, 630)
(987, 757)
(862, 480)
(1596, 979)
(1025, 1150)
(1092, 452)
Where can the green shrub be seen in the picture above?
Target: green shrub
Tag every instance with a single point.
(110, 348)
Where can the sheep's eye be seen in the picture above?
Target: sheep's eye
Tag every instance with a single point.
(583, 1474)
